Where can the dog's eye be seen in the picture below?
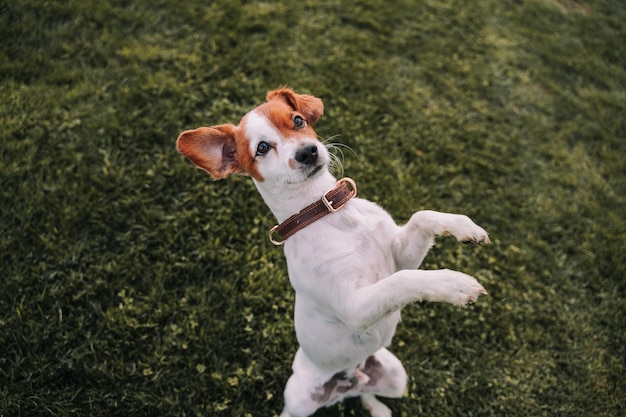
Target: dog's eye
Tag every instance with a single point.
(262, 148)
(298, 123)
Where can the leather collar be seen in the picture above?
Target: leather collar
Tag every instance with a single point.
(332, 201)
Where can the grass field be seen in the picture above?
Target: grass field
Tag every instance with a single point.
(133, 285)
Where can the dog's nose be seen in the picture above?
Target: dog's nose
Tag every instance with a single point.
(307, 155)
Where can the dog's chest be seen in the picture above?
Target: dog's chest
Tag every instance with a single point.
(353, 245)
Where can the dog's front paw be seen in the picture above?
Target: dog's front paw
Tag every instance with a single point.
(466, 231)
(465, 289)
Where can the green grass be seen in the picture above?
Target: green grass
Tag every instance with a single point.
(133, 285)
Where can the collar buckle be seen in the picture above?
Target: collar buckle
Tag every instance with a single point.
(328, 203)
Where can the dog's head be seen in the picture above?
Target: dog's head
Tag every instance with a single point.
(275, 141)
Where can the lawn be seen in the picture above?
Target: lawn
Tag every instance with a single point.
(131, 284)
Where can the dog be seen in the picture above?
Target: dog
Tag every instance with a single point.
(351, 266)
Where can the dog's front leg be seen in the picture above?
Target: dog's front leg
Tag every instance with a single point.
(367, 305)
(414, 239)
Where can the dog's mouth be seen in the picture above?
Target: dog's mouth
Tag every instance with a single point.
(307, 174)
(314, 171)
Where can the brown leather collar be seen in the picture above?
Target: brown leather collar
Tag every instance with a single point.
(331, 201)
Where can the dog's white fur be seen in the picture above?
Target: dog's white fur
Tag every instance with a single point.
(352, 271)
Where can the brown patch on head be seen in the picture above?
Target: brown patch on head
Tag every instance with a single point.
(283, 106)
(246, 159)
(309, 106)
(282, 117)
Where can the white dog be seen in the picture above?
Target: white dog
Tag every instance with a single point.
(351, 266)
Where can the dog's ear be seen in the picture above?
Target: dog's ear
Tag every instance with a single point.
(311, 107)
(211, 148)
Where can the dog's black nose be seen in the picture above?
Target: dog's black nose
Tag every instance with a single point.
(307, 155)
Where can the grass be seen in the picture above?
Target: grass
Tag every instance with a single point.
(133, 285)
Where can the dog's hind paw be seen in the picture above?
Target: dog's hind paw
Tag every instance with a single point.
(374, 406)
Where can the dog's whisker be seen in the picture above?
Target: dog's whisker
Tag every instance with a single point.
(336, 161)
(336, 165)
(338, 145)
(337, 156)
(330, 138)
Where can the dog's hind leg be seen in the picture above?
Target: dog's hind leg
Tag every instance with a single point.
(303, 395)
(298, 399)
(387, 378)
(310, 388)
(307, 390)
(375, 407)
(415, 238)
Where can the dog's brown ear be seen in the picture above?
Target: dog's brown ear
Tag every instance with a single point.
(311, 107)
(211, 148)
